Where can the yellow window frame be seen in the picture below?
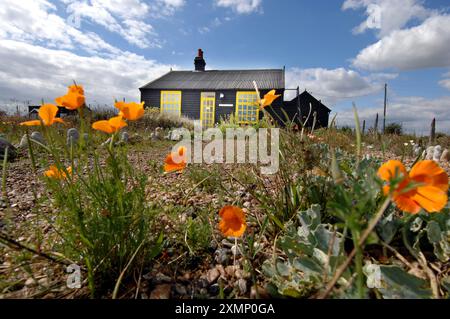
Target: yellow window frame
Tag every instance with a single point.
(208, 97)
(246, 107)
(170, 102)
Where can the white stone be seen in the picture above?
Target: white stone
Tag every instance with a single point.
(72, 136)
(445, 157)
(437, 153)
(124, 137)
(429, 153)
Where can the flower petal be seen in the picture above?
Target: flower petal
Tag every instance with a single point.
(131, 111)
(232, 222)
(31, 123)
(117, 123)
(431, 198)
(407, 204)
(171, 166)
(429, 172)
(103, 126)
(387, 171)
(120, 105)
(47, 113)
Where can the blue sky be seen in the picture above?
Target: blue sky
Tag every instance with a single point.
(341, 51)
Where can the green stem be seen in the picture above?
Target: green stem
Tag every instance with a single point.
(361, 241)
(358, 265)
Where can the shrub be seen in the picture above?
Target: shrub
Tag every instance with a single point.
(394, 129)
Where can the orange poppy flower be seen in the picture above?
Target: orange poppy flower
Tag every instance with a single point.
(232, 223)
(131, 111)
(47, 114)
(176, 161)
(55, 173)
(74, 99)
(269, 98)
(76, 89)
(110, 126)
(425, 186)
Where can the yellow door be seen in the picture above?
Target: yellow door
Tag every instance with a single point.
(207, 108)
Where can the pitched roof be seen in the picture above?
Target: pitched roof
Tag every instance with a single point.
(306, 95)
(266, 79)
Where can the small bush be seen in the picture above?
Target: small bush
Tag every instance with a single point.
(394, 129)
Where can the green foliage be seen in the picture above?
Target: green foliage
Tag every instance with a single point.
(198, 233)
(103, 218)
(394, 129)
(395, 283)
(428, 230)
(228, 122)
(153, 118)
(313, 251)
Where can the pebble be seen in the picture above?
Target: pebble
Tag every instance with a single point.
(437, 153)
(38, 137)
(180, 289)
(30, 282)
(242, 285)
(445, 157)
(72, 136)
(11, 149)
(214, 290)
(263, 294)
(161, 292)
(124, 137)
(429, 153)
(221, 255)
(212, 275)
(230, 270)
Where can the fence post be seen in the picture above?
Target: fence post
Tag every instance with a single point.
(433, 132)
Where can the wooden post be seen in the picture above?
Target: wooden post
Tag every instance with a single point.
(385, 102)
(364, 127)
(433, 132)
(375, 126)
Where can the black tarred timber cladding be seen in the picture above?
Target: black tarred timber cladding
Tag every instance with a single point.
(190, 101)
(227, 83)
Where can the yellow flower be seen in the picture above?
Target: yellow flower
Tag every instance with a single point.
(176, 162)
(425, 186)
(55, 173)
(232, 223)
(110, 126)
(74, 98)
(131, 111)
(47, 113)
(269, 98)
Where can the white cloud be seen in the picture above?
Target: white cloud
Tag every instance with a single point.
(173, 3)
(203, 30)
(36, 21)
(423, 46)
(387, 15)
(335, 84)
(241, 6)
(215, 23)
(414, 113)
(34, 73)
(446, 81)
(124, 17)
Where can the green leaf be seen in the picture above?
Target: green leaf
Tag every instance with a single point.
(434, 232)
(398, 284)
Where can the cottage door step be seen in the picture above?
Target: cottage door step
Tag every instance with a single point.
(207, 108)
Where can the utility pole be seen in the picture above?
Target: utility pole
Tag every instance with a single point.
(384, 113)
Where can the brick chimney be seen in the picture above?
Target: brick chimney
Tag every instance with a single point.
(199, 61)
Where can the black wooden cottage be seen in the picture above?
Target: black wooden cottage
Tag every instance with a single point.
(210, 95)
(62, 111)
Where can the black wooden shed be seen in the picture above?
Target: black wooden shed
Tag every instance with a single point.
(210, 95)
